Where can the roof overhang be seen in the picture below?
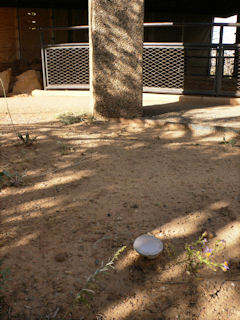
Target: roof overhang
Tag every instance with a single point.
(208, 7)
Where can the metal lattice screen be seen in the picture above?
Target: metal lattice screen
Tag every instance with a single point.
(163, 67)
(166, 68)
(67, 66)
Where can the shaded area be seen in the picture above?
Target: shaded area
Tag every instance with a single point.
(213, 115)
(116, 181)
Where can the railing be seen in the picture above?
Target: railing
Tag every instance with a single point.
(191, 68)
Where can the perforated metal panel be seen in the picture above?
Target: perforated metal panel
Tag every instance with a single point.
(67, 66)
(170, 68)
(163, 67)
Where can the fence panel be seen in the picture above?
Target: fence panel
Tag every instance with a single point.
(66, 66)
(167, 68)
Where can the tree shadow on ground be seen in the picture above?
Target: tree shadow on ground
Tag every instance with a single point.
(162, 108)
(113, 183)
(194, 113)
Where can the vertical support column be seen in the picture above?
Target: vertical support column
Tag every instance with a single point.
(116, 48)
(43, 59)
(236, 74)
(219, 64)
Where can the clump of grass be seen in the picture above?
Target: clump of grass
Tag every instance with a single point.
(27, 141)
(170, 249)
(3, 280)
(71, 118)
(3, 276)
(231, 142)
(87, 292)
(65, 148)
(10, 179)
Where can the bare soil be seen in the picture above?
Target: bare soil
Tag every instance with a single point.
(89, 189)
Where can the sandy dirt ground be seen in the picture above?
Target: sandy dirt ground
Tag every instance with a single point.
(45, 106)
(92, 187)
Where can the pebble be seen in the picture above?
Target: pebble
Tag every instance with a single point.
(28, 307)
(68, 272)
(60, 257)
(134, 206)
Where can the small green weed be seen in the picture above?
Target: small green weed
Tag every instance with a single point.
(3, 279)
(170, 250)
(65, 148)
(86, 293)
(7, 179)
(3, 276)
(200, 254)
(90, 119)
(27, 141)
(70, 118)
(231, 142)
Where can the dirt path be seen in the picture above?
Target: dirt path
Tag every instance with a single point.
(89, 189)
(48, 105)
